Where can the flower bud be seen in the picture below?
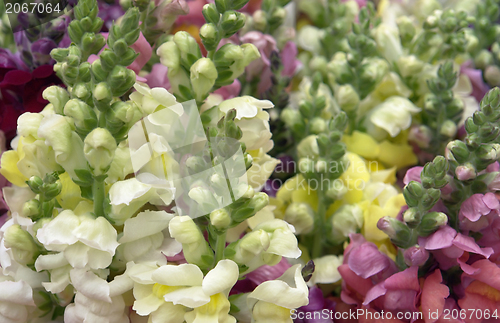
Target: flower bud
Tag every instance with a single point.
(431, 22)
(348, 219)
(252, 244)
(36, 184)
(415, 256)
(459, 151)
(409, 66)
(374, 70)
(340, 69)
(102, 92)
(291, 117)
(406, 28)
(222, 5)
(347, 97)
(448, 129)
(259, 20)
(209, 36)
(170, 55)
(220, 219)
(187, 45)
(120, 80)
(431, 222)
(301, 216)
(421, 135)
(472, 42)
(203, 76)
(232, 21)
(483, 59)
(22, 245)
(308, 147)
(336, 192)
(99, 149)
(210, 13)
(318, 63)
(31, 208)
(259, 201)
(317, 125)
(411, 216)
(492, 75)
(194, 246)
(465, 172)
(50, 191)
(83, 115)
(57, 96)
(398, 231)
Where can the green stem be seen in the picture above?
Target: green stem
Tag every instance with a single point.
(319, 231)
(98, 193)
(220, 246)
(210, 54)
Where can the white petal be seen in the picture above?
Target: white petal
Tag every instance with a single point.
(221, 278)
(59, 231)
(145, 224)
(147, 305)
(191, 297)
(169, 313)
(90, 285)
(97, 233)
(16, 292)
(124, 192)
(181, 275)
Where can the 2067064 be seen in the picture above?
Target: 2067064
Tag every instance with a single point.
(33, 7)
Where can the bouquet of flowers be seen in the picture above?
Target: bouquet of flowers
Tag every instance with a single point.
(251, 161)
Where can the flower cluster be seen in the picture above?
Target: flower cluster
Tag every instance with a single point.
(251, 161)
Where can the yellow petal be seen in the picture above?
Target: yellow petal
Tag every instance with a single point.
(371, 216)
(387, 176)
(9, 168)
(399, 155)
(70, 194)
(362, 144)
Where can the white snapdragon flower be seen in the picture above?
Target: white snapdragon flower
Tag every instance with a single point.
(96, 300)
(325, 270)
(128, 196)
(146, 238)
(266, 244)
(169, 292)
(262, 167)
(16, 301)
(390, 117)
(252, 119)
(272, 300)
(150, 100)
(86, 242)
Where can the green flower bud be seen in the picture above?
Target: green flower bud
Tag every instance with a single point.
(431, 22)
(35, 183)
(259, 20)
(102, 92)
(99, 149)
(22, 245)
(50, 191)
(238, 4)
(406, 28)
(196, 164)
(222, 5)
(399, 233)
(413, 192)
(99, 73)
(210, 13)
(483, 59)
(459, 151)
(411, 216)
(317, 125)
(306, 165)
(170, 55)
(203, 76)
(83, 115)
(188, 48)
(120, 80)
(248, 160)
(348, 219)
(220, 219)
(431, 222)
(291, 117)
(374, 70)
(301, 216)
(232, 21)
(57, 96)
(308, 147)
(277, 17)
(259, 201)
(209, 35)
(31, 208)
(409, 65)
(340, 69)
(347, 97)
(448, 129)
(492, 75)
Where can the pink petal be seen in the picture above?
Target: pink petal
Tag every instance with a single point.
(440, 239)
(489, 273)
(413, 174)
(367, 260)
(433, 295)
(469, 244)
(374, 293)
(407, 279)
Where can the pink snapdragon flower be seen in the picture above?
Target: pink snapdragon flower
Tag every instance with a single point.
(478, 211)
